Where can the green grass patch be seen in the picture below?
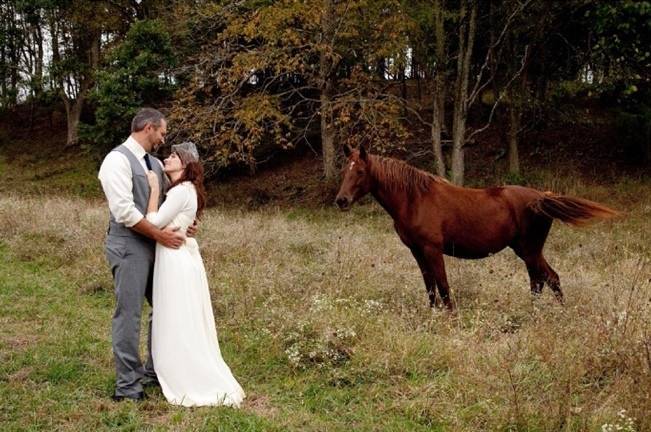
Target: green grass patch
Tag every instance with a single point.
(66, 174)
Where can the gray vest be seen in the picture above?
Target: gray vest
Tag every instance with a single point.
(140, 192)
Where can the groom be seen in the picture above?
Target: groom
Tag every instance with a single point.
(130, 245)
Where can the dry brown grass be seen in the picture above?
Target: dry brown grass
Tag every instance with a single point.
(324, 317)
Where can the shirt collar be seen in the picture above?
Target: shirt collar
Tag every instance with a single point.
(135, 147)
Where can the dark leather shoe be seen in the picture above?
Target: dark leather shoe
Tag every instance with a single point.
(138, 397)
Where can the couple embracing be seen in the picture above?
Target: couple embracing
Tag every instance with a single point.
(152, 254)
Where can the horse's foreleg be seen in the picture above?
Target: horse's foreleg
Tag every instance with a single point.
(435, 260)
(428, 276)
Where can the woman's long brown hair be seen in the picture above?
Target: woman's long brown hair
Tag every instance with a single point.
(193, 173)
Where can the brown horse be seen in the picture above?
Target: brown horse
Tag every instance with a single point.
(433, 217)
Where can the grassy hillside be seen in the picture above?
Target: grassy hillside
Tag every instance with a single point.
(580, 148)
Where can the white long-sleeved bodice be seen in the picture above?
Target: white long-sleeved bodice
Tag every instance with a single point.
(179, 208)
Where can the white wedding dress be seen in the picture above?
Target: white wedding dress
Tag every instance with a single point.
(185, 349)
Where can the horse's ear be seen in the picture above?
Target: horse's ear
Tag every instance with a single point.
(347, 150)
(362, 152)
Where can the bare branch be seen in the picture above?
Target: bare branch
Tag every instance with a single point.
(499, 98)
(478, 87)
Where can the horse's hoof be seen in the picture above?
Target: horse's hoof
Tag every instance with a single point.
(450, 308)
(435, 304)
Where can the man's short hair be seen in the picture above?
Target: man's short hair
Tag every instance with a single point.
(146, 116)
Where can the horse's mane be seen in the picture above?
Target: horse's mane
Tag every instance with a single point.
(399, 176)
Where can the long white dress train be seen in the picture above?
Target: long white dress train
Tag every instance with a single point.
(185, 349)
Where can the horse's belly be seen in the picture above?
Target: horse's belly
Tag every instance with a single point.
(473, 248)
(460, 252)
(476, 238)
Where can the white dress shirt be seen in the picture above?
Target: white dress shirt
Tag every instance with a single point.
(116, 178)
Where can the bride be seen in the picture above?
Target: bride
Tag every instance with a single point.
(185, 349)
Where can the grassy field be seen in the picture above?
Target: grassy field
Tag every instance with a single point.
(324, 320)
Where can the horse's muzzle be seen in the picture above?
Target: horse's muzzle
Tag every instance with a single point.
(343, 203)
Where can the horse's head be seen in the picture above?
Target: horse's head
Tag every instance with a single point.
(356, 177)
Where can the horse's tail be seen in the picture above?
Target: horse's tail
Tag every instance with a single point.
(574, 211)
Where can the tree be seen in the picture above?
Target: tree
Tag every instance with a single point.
(622, 32)
(438, 111)
(281, 74)
(547, 43)
(31, 22)
(467, 31)
(457, 61)
(75, 34)
(10, 45)
(136, 74)
(327, 63)
(79, 32)
(430, 45)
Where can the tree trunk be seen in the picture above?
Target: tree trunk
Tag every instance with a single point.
(38, 61)
(438, 115)
(86, 78)
(381, 69)
(73, 114)
(514, 127)
(3, 71)
(416, 73)
(466, 44)
(12, 93)
(458, 132)
(437, 143)
(327, 85)
(327, 139)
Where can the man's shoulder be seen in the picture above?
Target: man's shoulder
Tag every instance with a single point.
(114, 159)
(117, 151)
(114, 155)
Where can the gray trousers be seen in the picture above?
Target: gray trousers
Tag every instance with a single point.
(132, 265)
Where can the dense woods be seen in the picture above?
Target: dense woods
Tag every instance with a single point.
(250, 79)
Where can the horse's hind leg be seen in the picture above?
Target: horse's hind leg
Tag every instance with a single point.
(428, 276)
(529, 247)
(535, 278)
(552, 279)
(534, 268)
(540, 272)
